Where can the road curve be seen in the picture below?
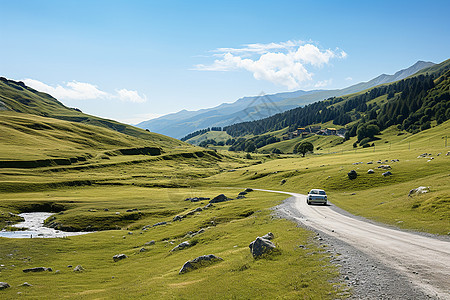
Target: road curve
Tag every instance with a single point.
(424, 260)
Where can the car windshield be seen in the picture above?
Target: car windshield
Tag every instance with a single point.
(316, 192)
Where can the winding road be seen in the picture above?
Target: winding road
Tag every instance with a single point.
(424, 260)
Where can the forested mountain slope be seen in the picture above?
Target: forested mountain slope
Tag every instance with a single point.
(410, 103)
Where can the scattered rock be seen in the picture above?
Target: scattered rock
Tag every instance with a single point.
(177, 218)
(353, 194)
(181, 246)
(69, 266)
(209, 205)
(159, 224)
(352, 174)
(370, 171)
(419, 190)
(37, 269)
(385, 167)
(198, 232)
(283, 181)
(248, 190)
(129, 232)
(196, 199)
(357, 163)
(388, 173)
(26, 284)
(219, 198)
(370, 163)
(118, 257)
(268, 236)
(4, 285)
(78, 268)
(261, 246)
(198, 209)
(106, 209)
(142, 249)
(201, 261)
(242, 193)
(150, 243)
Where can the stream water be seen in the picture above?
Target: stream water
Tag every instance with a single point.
(34, 223)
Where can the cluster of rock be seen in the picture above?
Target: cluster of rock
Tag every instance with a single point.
(196, 199)
(262, 245)
(353, 174)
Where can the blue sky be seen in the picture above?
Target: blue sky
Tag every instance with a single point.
(133, 60)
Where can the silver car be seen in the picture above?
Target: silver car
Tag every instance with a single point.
(316, 196)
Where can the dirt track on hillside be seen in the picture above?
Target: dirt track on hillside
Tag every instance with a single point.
(383, 262)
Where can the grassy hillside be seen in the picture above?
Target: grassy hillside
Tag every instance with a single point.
(218, 136)
(410, 103)
(384, 199)
(16, 96)
(98, 179)
(29, 136)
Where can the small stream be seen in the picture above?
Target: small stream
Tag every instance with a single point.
(34, 222)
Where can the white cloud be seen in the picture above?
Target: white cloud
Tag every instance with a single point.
(280, 63)
(323, 83)
(75, 90)
(131, 96)
(349, 78)
(136, 119)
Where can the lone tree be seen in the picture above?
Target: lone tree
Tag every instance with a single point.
(303, 148)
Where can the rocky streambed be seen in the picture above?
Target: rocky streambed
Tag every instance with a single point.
(34, 228)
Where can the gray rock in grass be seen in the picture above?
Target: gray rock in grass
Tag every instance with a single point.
(118, 257)
(4, 285)
(199, 262)
(261, 246)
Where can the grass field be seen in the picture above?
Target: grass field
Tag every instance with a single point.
(154, 187)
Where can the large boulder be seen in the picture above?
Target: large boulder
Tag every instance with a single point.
(419, 190)
(219, 198)
(370, 171)
(261, 246)
(199, 262)
(4, 285)
(118, 257)
(352, 174)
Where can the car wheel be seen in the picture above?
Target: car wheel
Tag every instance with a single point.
(307, 202)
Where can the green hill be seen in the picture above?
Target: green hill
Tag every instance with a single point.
(16, 96)
(410, 103)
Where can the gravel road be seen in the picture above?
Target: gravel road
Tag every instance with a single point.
(379, 262)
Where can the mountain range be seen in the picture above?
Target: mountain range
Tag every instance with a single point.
(179, 124)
